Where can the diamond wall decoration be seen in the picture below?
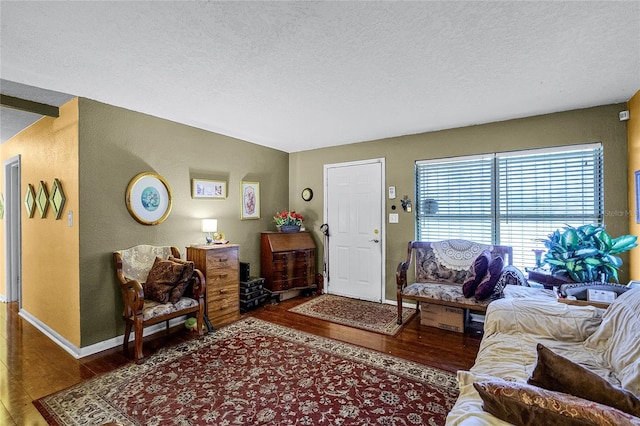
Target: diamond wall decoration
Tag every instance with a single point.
(42, 200)
(30, 201)
(57, 198)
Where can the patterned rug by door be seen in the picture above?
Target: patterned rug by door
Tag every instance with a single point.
(371, 316)
(254, 372)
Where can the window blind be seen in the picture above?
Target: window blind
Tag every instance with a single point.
(455, 198)
(515, 198)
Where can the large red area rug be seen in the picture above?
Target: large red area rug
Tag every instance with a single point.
(254, 372)
(371, 316)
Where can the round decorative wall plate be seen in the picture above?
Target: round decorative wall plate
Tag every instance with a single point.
(307, 194)
(148, 198)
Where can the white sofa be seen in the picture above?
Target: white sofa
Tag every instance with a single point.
(607, 342)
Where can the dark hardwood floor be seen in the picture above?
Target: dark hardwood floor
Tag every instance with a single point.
(33, 366)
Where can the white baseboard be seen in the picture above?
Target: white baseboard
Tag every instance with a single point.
(405, 304)
(82, 352)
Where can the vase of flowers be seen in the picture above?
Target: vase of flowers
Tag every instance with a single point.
(288, 222)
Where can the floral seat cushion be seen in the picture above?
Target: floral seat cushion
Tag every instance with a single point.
(453, 294)
(152, 309)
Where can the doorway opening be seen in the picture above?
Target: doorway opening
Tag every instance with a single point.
(12, 231)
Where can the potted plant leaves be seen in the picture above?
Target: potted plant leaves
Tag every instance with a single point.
(586, 253)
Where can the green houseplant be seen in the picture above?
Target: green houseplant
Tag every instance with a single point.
(586, 253)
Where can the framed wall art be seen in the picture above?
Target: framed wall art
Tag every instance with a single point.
(42, 200)
(148, 198)
(30, 201)
(57, 198)
(250, 200)
(201, 188)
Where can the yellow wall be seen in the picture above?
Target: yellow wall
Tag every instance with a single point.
(633, 132)
(50, 270)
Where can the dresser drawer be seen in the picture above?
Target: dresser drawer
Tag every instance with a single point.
(280, 285)
(218, 276)
(222, 289)
(224, 259)
(222, 305)
(280, 275)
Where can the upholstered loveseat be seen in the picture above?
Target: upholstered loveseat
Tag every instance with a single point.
(440, 269)
(517, 335)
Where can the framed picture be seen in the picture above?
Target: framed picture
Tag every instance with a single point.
(42, 200)
(208, 188)
(637, 196)
(250, 200)
(57, 198)
(148, 198)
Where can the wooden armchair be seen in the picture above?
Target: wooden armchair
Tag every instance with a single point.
(132, 270)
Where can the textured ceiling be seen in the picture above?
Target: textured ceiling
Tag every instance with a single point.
(301, 75)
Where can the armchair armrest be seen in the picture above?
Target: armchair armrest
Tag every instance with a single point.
(401, 275)
(403, 267)
(133, 296)
(198, 286)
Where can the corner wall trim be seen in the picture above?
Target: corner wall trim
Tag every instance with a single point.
(82, 352)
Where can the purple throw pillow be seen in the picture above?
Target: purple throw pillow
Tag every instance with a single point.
(488, 283)
(476, 273)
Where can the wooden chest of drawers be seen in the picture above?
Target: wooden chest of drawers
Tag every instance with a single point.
(287, 261)
(221, 268)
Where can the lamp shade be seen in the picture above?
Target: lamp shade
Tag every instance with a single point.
(209, 225)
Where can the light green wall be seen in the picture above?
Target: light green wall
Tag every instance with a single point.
(116, 144)
(599, 124)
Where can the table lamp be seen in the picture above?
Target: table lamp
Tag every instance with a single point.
(209, 225)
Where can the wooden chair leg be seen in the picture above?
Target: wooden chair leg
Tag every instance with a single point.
(200, 323)
(399, 311)
(127, 333)
(138, 330)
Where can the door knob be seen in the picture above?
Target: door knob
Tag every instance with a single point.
(375, 241)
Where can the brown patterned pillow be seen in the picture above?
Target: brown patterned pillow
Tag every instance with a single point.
(162, 278)
(557, 373)
(523, 404)
(184, 281)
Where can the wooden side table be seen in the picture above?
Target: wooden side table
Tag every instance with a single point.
(220, 265)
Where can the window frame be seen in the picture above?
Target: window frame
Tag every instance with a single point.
(445, 226)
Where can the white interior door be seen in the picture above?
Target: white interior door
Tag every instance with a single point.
(353, 210)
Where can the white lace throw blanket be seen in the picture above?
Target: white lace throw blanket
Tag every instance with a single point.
(457, 255)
